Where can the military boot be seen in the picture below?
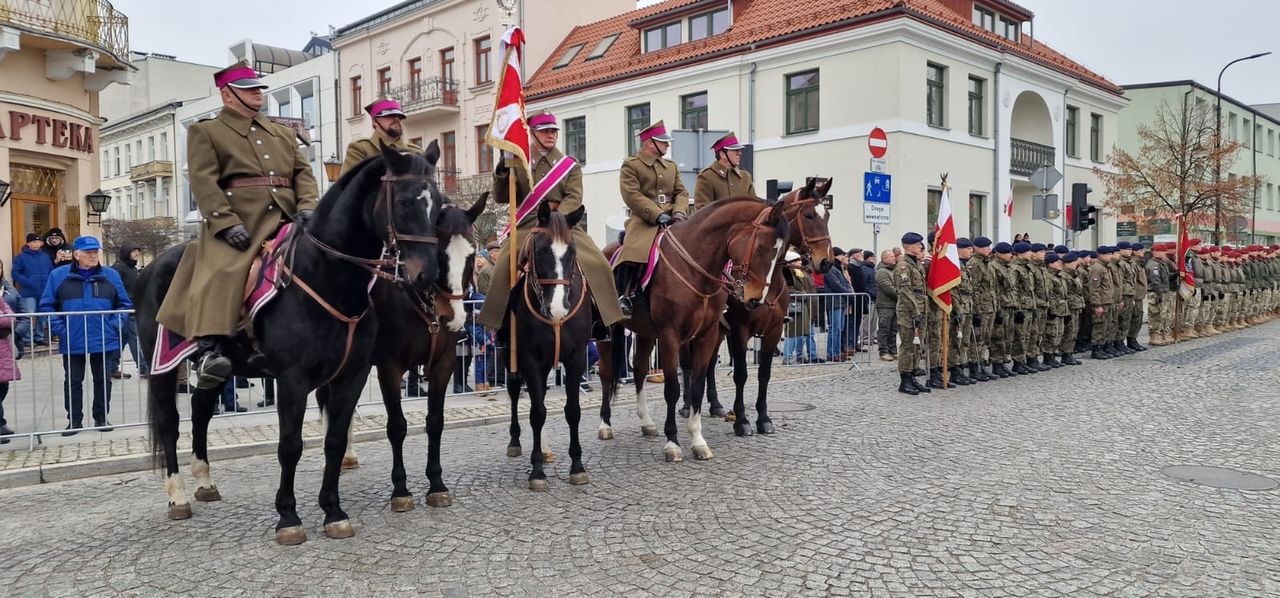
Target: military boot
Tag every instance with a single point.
(916, 383)
(1155, 339)
(1099, 353)
(1000, 370)
(958, 377)
(907, 386)
(1069, 359)
(1135, 345)
(212, 367)
(935, 379)
(1051, 361)
(976, 373)
(1020, 368)
(1189, 333)
(1034, 363)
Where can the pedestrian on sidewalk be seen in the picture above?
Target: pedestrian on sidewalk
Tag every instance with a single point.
(21, 327)
(8, 366)
(31, 268)
(88, 339)
(127, 267)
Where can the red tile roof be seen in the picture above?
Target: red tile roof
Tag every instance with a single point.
(761, 23)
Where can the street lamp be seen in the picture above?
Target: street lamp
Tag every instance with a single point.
(98, 203)
(1217, 147)
(332, 168)
(4, 192)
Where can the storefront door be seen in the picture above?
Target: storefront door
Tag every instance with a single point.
(32, 214)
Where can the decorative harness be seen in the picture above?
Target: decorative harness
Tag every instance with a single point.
(805, 239)
(528, 273)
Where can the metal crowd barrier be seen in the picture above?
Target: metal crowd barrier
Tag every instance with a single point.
(34, 406)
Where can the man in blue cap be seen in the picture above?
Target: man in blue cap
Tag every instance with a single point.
(985, 299)
(85, 286)
(913, 299)
(1123, 281)
(1008, 297)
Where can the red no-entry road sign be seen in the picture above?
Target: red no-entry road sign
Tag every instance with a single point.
(878, 143)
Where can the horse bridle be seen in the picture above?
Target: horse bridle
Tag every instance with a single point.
(741, 268)
(799, 206)
(531, 273)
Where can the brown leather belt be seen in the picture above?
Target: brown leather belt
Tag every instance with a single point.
(258, 181)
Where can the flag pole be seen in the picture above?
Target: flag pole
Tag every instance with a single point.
(513, 252)
(946, 316)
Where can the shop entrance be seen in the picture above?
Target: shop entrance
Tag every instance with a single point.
(36, 195)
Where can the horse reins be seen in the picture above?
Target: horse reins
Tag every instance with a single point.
(531, 273)
(805, 240)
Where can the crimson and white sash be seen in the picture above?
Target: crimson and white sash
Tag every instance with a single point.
(559, 171)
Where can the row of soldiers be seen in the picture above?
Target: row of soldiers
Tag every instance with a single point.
(1034, 306)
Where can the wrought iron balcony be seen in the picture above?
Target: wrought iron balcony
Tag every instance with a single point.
(428, 94)
(150, 170)
(93, 23)
(1027, 156)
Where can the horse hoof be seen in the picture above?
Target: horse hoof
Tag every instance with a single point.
(401, 504)
(605, 433)
(439, 499)
(716, 411)
(742, 430)
(730, 417)
(209, 494)
(350, 463)
(180, 512)
(513, 451)
(339, 529)
(684, 412)
(580, 478)
(539, 485)
(702, 453)
(291, 536)
(674, 454)
(548, 457)
(649, 430)
(765, 428)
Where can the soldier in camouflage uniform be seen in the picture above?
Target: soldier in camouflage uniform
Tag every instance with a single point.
(1138, 269)
(1128, 290)
(1191, 308)
(1056, 311)
(1074, 286)
(1039, 315)
(1113, 341)
(1160, 295)
(1023, 309)
(983, 274)
(1209, 295)
(913, 297)
(1102, 298)
(962, 301)
(1005, 282)
(1084, 324)
(933, 329)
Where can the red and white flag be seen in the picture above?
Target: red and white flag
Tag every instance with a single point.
(944, 272)
(509, 131)
(1186, 272)
(1008, 204)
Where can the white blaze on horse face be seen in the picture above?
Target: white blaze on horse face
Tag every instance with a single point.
(559, 293)
(426, 195)
(773, 263)
(459, 251)
(821, 210)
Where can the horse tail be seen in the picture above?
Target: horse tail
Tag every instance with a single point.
(618, 360)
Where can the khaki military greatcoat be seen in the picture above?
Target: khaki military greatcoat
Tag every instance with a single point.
(716, 182)
(650, 186)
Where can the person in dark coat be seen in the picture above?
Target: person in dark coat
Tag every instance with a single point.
(31, 268)
(857, 304)
(835, 283)
(868, 265)
(53, 241)
(127, 267)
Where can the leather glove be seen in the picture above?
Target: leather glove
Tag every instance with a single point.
(1019, 317)
(977, 319)
(664, 219)
(680, 216)
(236, 236)
(915, 323)
(501, 168)
(302, 218)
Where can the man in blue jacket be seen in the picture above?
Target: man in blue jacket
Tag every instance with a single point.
(31, 269)
(85, 286)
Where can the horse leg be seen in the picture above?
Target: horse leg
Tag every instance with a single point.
(608, 386)
(163, 399)
(763, 424)
(291, 406)
(669, 355)
(715, 409)
(513, 391)
(342, 406)
(572, 414)
(738, 355)
(324, 396)
(203, 403)
(437, 493)
(702, 349)
(687, 386)
(537, 418)
(389, 383)
(640, 366)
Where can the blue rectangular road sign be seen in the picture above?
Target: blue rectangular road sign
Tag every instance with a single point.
(876, 187)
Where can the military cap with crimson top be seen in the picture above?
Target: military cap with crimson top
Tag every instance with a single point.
(384, 107)
(912, 239)
(1003, 247)
(1021, 247)
(544, 121)
(981, 242)
(963, 243)
(728, 142)
(657, 132)
(239, 75)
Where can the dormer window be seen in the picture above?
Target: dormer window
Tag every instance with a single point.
(1010, 30)
(662, 36)
(603, 46)
(709, 24)
(569, 55)
(984, 18)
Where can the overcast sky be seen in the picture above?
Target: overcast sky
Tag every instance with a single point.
(1128, 41)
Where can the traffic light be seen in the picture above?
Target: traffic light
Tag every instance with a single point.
(1082, 213)
(774, 189)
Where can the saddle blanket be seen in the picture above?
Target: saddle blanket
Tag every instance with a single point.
(652, 264)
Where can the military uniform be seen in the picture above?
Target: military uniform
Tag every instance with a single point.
(982, 271)
(1159, 297)
(1134, 325)
(717, 182)
(1074, 285)
(1101, 293)
(650, 186)
(1008, 298)
(1040, 313)
(913, 299)
(1023, 313)
(1056, 312)
(362, 149)
(886, 312)
(961, 334)
(1192, 307)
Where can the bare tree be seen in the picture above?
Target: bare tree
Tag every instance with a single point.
(151, 235)
(494, 217)
(1172, 172)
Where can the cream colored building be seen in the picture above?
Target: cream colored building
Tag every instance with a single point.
(439, 59)
(55, 59)
(956, 85)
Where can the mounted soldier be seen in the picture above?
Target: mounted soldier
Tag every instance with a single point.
(248, 176)
(725, 177)
(558, 182)
(656, 197)
(388, 131)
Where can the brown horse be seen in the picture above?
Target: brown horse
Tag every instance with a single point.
(685, 298)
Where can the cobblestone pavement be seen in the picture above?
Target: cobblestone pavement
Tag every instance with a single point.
(1048, 485)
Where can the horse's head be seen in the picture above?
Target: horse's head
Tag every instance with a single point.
(552, 260)
(756, 249)
(809, 219)
(406, 212)
(457, 263)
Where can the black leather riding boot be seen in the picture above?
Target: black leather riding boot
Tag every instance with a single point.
(212, 367)
(907, 385)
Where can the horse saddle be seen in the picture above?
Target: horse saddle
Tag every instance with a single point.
(265, 280)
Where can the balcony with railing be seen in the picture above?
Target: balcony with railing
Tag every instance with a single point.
(150, 170)
(94, 24)
(1027, 156)
(427, 96)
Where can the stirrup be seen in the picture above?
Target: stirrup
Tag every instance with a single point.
(624, 305)
(212, 370)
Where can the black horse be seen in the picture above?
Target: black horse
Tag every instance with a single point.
(553, 324)
(318, 330)
(421, 330)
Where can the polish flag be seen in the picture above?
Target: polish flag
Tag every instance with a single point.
(1187, 284)
(508, 130)
(944, 273)
(1008, 205)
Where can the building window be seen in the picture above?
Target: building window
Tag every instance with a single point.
(139, 154)
(128, 155)
(1073, 117)
(693, 111)
(446, 65)
(1257, 135)
(106, 164)
(449, 160)
(575, 138)
(415, 74)
(1271, 142)
(286, 108)
(1010, 30)
(151, 148)
(1245, 133)
(415, 141)
(984, 18)
(936, 96)
(977, 102)
(484, 49)
(637, 120)
(1232, 133)
(932, 201)
(384, 81)
(164, 146)
(662, 36)
(308, 104)
(116, 152)
(977, 214)
(802, 102)
(707, 25)
(1095, 137)
(603, 46)
(484, 162)
(569, 55)
(357, 100)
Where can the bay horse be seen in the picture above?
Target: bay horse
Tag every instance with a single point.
(553, 324)
(686, 296)
(421, 330)
(378, 217)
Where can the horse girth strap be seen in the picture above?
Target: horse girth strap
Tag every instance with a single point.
(555, 323)
(351, 322)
